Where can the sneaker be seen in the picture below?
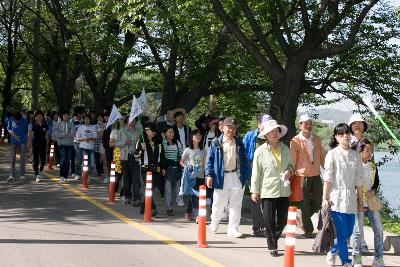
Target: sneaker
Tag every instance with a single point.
(308, 235)
(77, 178)
(106, 180)
(170, 212)
(179, 201)
(38, 178)
(274, 252)
(259, 232)
(331, 258)
(41, 175)
(10, 179)
(358, 261)
(63, 179)
(214, 226)
(235, 234)
(154, 212)
(348, 264)
(189, 217)
(22, 178)
(364, 250)
(378, 263)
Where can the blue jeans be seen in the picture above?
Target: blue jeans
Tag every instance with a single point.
(344, 224)
(65, 154)
(374, 218)
(79, 160)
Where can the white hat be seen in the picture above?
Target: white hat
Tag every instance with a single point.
(269, 126)
(355, 117)
(304, 117)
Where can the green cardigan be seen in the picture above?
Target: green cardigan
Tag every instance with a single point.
(265, 178)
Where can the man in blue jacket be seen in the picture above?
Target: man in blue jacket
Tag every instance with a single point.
(18, 130)
(250, 143)
(227, 171)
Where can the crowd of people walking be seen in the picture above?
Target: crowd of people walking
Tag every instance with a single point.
(182, 159)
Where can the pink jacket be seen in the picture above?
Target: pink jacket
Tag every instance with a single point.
(301, 157)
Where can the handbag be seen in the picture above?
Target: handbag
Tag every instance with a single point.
(374, 203)
(296, 190)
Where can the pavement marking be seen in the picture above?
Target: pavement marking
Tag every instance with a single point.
(166, 240)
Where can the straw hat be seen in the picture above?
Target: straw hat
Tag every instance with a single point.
(269, 126)
(174, 111)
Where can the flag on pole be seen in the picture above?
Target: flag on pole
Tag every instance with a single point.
(135, 110)
(142, 100)
(371, 107)
(114, 116)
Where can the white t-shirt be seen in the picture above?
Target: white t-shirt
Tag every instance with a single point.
(182, 136)
(208, 141)
(86, 131)
(196, 158)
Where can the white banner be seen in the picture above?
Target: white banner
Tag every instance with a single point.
(114, 116)
(142, 99)
(135, 110)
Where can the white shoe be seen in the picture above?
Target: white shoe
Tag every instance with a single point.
(106, 180)
(63, 179)
(77, 178)
(10, 178)
(37, 178)
(180, 202)
(235, 234)
(331, 258)
(378, 263)
(348, 264)
(214, 226)
(22, 178)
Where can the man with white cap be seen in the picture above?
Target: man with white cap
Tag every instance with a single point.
(251, 142)
(227, 172)
(358, 127)
(272, 168)
(307, 158)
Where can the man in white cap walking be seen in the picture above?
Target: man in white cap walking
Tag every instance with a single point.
(307, 158)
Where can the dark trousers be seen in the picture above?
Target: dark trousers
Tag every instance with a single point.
(99, 165)
(72, 161)
(275, 217)
(155, 178)
(194, 200)
(131, 178)
(312, 200)
(65, 153)
(39, 151)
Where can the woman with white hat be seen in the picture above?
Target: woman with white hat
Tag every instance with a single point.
(358, 127)
(272, 168)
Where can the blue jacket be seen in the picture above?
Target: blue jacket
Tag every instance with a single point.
(215, 162)
(249, 142)
(20, 128)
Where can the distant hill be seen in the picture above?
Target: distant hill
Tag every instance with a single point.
(334, 115)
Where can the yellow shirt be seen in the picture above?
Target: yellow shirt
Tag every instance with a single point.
(229, 149)
(276, 152)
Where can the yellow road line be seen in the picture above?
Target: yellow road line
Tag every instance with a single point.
(166, 240)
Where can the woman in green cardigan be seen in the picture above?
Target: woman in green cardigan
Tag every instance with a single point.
(272, 168)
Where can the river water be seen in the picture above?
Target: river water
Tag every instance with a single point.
(389, 174)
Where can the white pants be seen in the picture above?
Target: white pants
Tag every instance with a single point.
(232, 196)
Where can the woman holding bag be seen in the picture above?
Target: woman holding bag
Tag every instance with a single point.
(272, 168)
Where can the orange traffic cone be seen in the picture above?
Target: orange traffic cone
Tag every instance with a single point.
(290, 241)
(51, 158)
(201, 236)
(85, 173)
(111, 185)
(148, 197)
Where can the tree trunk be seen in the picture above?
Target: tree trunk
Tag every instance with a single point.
(285, 99)
(36, 64)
